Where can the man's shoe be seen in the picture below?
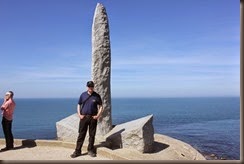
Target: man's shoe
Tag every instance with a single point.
(7, 148)
(90, 153)
(75, 154)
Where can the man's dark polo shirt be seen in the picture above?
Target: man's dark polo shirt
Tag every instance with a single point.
(90, 106)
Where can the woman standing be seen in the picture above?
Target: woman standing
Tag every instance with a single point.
(7, 108)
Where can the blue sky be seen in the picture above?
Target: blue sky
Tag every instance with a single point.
(159, 48)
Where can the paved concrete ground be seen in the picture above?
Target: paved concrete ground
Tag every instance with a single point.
(44, 153)
(166, 148)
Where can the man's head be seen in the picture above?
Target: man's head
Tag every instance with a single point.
(90, 86)
(9, 94)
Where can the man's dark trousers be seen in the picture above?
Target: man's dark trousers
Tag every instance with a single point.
(86, 122)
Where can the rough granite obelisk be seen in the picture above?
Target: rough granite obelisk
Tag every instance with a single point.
(101, 65)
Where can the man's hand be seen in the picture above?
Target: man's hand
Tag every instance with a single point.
(81, 116)
(95, 117)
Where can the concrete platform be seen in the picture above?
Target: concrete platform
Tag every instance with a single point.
(166, 148)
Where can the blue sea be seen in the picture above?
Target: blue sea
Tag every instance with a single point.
(211, 125)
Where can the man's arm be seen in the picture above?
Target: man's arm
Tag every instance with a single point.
(4, 105)
(78, 111)
(100, 110)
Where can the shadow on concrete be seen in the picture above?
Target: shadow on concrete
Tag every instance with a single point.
(114, 141)
(28, 143)
(157, 147)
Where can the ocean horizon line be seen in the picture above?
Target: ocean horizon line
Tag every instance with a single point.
(132, 97)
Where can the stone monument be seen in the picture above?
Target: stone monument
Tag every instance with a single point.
(101, 65)
(137, 134)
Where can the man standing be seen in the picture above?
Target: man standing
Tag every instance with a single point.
(89, 109)
(7, 112)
